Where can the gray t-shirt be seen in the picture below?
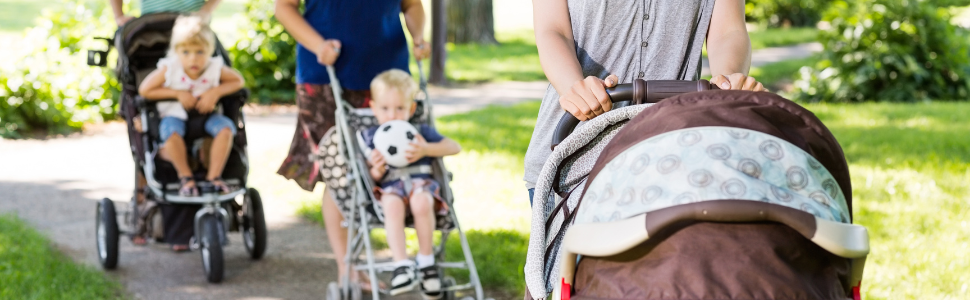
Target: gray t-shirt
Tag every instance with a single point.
(649, 39)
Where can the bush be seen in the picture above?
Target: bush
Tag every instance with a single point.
(48, 88)
(265, 54)
(888, 50)
(779, 13)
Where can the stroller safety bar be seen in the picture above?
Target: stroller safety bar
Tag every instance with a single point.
(640, 92)
(611, 238)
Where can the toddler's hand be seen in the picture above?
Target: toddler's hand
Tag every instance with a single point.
(207, 101)
(418, 149)
(188, 102)
(738, 81)
(328, 52)
(377, 164)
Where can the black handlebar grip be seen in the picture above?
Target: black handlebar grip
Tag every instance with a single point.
(640, 92)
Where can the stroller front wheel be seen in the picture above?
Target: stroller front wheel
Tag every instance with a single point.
(211, 249)
(254, 225)
(106, 225)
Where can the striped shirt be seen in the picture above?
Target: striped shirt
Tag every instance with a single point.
(154, 6)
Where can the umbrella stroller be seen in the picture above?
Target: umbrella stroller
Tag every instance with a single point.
(344, 169)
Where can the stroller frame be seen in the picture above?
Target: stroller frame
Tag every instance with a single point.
(360, 222)
(219, 212)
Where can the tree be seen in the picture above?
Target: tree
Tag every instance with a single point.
(471, 21)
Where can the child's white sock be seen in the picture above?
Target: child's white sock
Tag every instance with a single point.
(403, 263)
(424, 260)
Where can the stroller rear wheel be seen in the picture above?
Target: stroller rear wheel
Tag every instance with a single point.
(211, 249)
(254, 225)
(107, 234)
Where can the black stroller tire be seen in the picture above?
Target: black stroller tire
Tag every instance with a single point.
(448, 282)
(254, 225)
(107, 234)
(210, 247)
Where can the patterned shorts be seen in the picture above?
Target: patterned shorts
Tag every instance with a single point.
(418, 185)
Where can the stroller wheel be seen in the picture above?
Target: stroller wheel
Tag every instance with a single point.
(333, 291)
(106, 226)
(446, 283)
(254, 225)
(211, 249)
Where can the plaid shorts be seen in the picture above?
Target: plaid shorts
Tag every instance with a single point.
(417, 185)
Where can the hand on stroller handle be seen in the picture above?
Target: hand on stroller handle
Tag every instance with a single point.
(639, 92)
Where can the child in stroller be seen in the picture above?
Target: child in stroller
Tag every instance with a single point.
(191, 75)
(393, 93)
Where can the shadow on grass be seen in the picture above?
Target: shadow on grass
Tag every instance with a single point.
(900, 135)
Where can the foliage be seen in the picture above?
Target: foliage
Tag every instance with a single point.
(888, 50)
(265, 54)
(48, 87)
(784, 13)
(31, 269)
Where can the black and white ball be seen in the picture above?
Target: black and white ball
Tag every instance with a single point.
(392, 139)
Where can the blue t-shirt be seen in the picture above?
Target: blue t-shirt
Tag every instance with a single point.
(430, 135)
(371, 37)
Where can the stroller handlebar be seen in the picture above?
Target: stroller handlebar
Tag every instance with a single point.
(639, 92)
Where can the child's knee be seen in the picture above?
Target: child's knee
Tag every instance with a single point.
(421, 203)
(392, 204)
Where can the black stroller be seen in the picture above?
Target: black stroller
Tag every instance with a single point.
(164, 215)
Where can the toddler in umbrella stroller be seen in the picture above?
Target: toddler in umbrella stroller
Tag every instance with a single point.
(407, 189)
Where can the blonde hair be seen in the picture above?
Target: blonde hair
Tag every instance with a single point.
(394, 79)
(192, 30)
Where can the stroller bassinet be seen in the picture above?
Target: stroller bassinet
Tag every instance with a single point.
(344, 169)
(200, 221)
(673, 229)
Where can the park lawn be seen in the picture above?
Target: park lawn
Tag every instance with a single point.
(909, 165)
(30, 268)
(777, 37)
(779, 76)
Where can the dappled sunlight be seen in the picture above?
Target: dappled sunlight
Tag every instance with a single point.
(489, 191)
(918, 229)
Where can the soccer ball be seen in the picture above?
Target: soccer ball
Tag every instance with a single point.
(392, 139)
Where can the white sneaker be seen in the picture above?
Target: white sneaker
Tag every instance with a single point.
(403, 280)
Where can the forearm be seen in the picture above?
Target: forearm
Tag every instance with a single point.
(730, 53)
(414, 18)
(443, 148)
(557, 55)
(287, 12)
(159, 93)
(116, 7)
(209, 6)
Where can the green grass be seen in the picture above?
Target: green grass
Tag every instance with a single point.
(775, 37)
(18, 15)
(30, 268)
(776, 76)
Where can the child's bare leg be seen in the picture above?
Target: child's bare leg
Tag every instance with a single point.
(221, 144)
(422, 208)
(394, 225)
(174, 152)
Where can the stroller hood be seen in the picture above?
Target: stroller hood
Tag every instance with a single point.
(566, 189)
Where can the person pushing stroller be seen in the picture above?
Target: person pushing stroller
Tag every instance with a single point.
(393, 99)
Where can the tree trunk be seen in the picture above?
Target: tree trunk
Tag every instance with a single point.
(438, 54)
(471, 21)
